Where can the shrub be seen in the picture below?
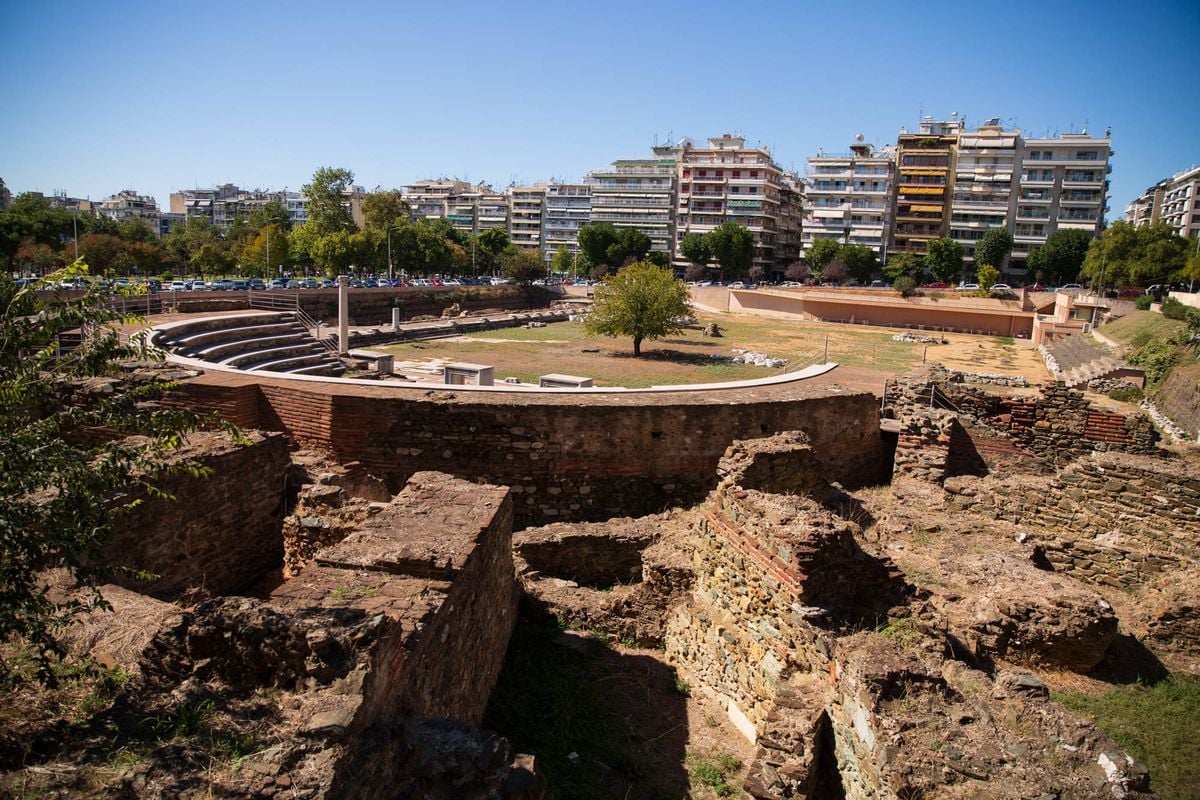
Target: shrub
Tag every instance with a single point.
(905, 285)
(1173, 309)
(1126, 394)
(1143, 302)
(1156, 357)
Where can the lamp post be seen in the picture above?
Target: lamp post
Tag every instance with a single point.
(389, 238)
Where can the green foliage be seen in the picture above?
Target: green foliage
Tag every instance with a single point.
(732, 247)
(643, 301)
(328, 206)
(904, 265)
(382, 210)
(987, 276)
(62, 486)
(211, 259)
(661, 259)
(1156, 725)
(944, 259)
(605, 245)
(714, 771)
(903, 631)
(1127, 394)
(1136, 256)
(1173, 309)
(521, 266)
(694, 247)
(820, 253)
(683, 687)
(272, 213)
(563, 261)
(1143, 302)
(1156, 357)
(993, 247)
(1060, 259)
(905, 285)
(270, 239)
(861, 261)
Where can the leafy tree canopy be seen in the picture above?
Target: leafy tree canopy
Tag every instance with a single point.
(1138, 256)
(986, 276)
(270, 240)
(732, 247)
(272, 213)
(694, 247)
(521, 266)
(382, 210)
(944, 259)
(62, 483)
(643, 301)
(821, 252)
(1059, 260)
(904, 265)
(994, 247)
(862, 262)
(328, 211)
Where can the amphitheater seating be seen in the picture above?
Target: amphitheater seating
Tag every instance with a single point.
(1082, 361)
(267, 342)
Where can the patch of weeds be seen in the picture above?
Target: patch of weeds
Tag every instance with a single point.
(629, 641)
(683, 687)
(1003, 340)
(922, 538)
(599, 635)
(348, 593)
(1156, 725)
(714, 771)
(1126, 394)
(710, 720)
(903, 631)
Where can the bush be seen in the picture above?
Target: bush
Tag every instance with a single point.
(1156, 357)
(1126, 394)
(1173, 309)
(1143, 302)
(905, 285)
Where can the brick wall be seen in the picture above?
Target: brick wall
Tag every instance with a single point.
(583, 457)
(222, 532)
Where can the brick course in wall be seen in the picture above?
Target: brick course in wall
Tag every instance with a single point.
(221, 533)
(566, 457)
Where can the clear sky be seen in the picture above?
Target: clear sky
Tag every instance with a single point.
(158, 96)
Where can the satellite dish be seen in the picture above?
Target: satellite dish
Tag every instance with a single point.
(858, 137)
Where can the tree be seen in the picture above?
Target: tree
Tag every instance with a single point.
(300, 243)
(562, 263)
(987, 276)
(211, 259)
(489, 244)
(68, 465)
(184, 241)
(101, 251)
(385, 209)
(694, 247)
(1137, 256)
(904, 265)
(658, 258)
(798, 271)
(835, 271)
(341, 252)
(642, 300)
(1059, 260)
(33, 257)
(29, 217)
(595, 241)
(521, 266)
(994, 247)
(270, 213)
(136, 229)
(270, 240)
(732, 247)
(328, 211)
(820, 253)
(1191, 270)
(861, 262)
(944, 258)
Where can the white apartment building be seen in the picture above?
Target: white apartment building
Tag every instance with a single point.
(429, 199)
(525, 216)
(729, 182)
(128, 204)
(986, 182)
(638, 193)
(568, 207)
(470, 208)
(848, 197)
(1063, 185)
(1180, 204)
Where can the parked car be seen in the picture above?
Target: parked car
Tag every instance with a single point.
(309, 283)
(179, 286)
(938, 285)
(239, 285)
(220, 285)
(969, 287)
(198, 286)
(878, 285)
(278, 283)
(328, 283)
(1001, 287)
(1071, 287)
(256, 284)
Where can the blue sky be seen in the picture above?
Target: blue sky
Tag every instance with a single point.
(158, 96)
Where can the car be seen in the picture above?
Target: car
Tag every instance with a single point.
(179, 286)
(220, 285)
(737, 285)
(969, 287)
(328, 283)
(309, 283)
(1001, 287)
(239, 285)
(256, 285)
(278, 283)
(1071, 287)
(938, 285)
(878, 285)
(198, 286)
(292, 285)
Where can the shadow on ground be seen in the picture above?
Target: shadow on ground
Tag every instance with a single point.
(602, 724)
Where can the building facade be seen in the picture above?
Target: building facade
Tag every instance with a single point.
(128, 204)
(848, 197)
(639, 194)
(1180, 204)
(525, 216)
(986, 179)
(925, 169)
(568, 207)
(730, 182)
(221, 205)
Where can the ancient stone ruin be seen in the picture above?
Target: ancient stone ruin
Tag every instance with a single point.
(877, 612)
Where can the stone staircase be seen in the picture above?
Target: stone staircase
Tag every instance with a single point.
(1081, 362)
(260, 342)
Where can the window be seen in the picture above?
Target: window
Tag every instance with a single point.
(753, 173)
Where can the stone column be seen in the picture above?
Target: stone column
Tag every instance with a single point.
(343, 282)
(395, 319)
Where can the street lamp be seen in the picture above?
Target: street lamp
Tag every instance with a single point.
(389, 238)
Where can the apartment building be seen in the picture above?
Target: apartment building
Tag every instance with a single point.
(128, 204)
(1180, 204)
(791, 223)
(730, 182)
(526, 204)
(1063, 186)
(493, 211)
(640, 194)
(430, 199)
(221, 205)
(925, 166)
(1146, 209)
(470, 208)
(986, 179)
(568, 207)
(848, 197)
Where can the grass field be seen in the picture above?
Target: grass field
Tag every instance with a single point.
(526, 353)
(1139, 327)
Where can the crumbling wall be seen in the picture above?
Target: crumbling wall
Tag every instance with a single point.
(220, 532)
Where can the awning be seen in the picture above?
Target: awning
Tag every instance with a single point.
(929, 209)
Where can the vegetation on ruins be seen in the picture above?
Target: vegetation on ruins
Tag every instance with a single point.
(78, 448)
(643, 300)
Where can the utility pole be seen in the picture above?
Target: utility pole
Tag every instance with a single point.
(268, 270)
(389, 252)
